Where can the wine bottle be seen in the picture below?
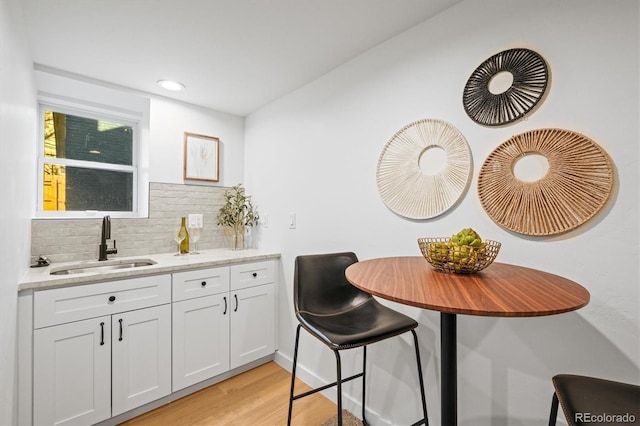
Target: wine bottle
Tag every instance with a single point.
(184, 244)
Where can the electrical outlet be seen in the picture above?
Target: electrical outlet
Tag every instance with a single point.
(195, 220)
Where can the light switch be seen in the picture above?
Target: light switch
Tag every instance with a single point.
(292, 221)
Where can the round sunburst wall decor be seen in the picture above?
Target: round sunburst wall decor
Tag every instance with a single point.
(409, 190)
(523, 74)
(577, 183)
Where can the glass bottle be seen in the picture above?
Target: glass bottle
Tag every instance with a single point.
(184, 244)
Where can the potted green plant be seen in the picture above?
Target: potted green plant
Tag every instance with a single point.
(237, 214)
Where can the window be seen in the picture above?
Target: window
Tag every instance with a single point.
(88, 163)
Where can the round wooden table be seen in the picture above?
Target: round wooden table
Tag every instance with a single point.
(501, 290)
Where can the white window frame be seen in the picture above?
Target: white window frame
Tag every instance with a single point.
(98, 112)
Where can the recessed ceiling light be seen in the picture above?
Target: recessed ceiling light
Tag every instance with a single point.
(174, 86)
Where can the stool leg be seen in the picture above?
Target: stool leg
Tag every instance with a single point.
(364, 384)
(424, 399)
(293, 375)
(339, 385)
(554, 410)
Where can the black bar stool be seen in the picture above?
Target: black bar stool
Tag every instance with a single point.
(589, 400)
(343, 317)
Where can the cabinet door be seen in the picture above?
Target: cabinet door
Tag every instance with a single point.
(252, 324)
(141, 367)
(200, 339)
(72, 373)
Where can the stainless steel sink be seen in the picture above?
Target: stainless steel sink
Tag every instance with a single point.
(96, 267)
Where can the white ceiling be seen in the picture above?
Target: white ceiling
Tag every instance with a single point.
(233, 55)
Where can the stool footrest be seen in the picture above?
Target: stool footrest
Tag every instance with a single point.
(320, 389)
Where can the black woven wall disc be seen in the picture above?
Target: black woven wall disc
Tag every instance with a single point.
(530, 77)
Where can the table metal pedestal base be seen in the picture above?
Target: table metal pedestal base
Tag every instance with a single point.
(448, 370)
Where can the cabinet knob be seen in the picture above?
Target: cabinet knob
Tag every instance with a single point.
(112, 298)
(255, 274)
(203, 283)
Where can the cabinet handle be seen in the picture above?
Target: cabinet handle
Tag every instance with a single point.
(236, 297)
(101, 334)
(225, 305)
(203, 283)
(254, 275)
(120, 321)
(112, 298)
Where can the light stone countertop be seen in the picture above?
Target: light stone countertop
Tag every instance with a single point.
(166, 263)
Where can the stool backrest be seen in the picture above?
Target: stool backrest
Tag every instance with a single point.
(320, 287)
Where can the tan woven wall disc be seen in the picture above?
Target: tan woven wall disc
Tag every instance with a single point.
(576, 186)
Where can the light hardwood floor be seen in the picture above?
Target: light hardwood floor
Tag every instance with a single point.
(257, 397)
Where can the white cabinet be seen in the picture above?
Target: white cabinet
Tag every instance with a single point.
(107, 351)
(61, 305)
(200, 339)
(72, 373)
(201, 282)
(253, 314)
(95, 367)
(252, 324)
(223, 318)
(141, 357)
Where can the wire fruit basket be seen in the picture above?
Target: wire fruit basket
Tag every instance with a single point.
(445, 256)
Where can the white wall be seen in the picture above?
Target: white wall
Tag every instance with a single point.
(162, 139)
(169, 121)
(17, 174)
(314, 152)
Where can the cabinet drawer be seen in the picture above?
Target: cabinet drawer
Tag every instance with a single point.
(61, 305)
(203, 282)
(252, 274)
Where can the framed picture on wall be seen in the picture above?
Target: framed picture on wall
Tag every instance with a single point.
(201, 157)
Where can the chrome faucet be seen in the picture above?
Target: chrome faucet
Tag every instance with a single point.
(106, 235)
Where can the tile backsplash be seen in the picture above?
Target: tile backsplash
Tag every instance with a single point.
(66, 240)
